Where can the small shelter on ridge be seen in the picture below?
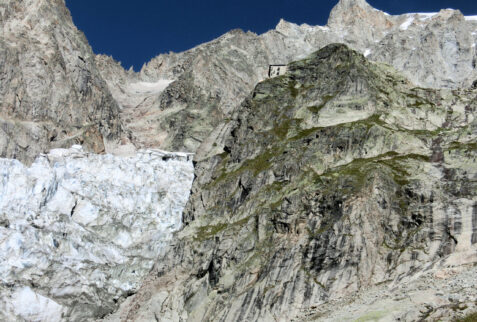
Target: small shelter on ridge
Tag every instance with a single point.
(277, 70)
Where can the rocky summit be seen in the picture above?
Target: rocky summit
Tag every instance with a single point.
(331, 179)
(344, 188)
(208, 82)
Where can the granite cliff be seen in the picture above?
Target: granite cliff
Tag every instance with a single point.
(178, 99)
(332, 179)
(209, 81)
(344, 189)
(51, 93)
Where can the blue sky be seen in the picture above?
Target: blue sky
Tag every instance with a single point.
(133, 32)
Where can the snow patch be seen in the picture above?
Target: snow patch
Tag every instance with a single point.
(407, 23)
(150, 87)
(423, 16)
(34, 307)
(367, 52)
(470, 18)
(323, 28)
(380, 11)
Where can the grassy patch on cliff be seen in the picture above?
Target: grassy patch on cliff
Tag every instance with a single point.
(469, 318)
(359, 169)
(256, 165)
(469, 146)
(210, 231)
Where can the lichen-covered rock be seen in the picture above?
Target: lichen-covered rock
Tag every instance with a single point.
(51, 93)
(336, 177)
(79, 231)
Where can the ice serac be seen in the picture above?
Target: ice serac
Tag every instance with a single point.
(51, 93)
(338, 178)
(79, 231)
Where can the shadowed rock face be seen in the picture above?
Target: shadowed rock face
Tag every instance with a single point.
(338, 176)
(212, 79)
(51, 94)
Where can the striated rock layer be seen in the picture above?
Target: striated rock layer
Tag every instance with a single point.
(79, 231)
(335, 178)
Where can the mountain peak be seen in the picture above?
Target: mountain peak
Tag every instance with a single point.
(352, 3)
(344, 8)
(285, 27)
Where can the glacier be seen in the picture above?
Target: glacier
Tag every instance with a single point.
(79, 231)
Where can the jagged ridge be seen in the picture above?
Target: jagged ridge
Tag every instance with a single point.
(211, 80)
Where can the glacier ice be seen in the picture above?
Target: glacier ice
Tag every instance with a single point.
(79, 231)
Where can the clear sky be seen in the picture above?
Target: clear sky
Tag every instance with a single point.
(133, 32)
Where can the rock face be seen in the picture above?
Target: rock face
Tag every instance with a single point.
(51, 93)
(79, 231)
(433, 50)
(334, 178)
(340, 177)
